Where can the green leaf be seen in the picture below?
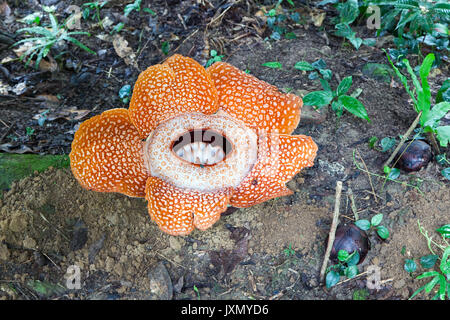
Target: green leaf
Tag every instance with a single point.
(78, 43)
(318, 98)
(344, 85)
(344, 30)
(425, 69)
(355, 41)
(343, 255)
(351, 271)
(445, 229)
(369, 42)
(444, 88)
(118, 27)
(290, 35)
(354, 106)
(428, 261)
(430, 285)
(428, 274)
(422, 103)
(337, 107)
(353, 259)
(165, 47)
(376, 219)
(349, 11)
(319, 64)
(410, 266)
(372, 142)
(304, 66)
(387, 143)
(431, 117)
(363, 224)
(416, 292)
(37, 30)
(148, 10)
(383, 232)
(403, 79)
(125, 91)
(331, 279)
(45, 288)
(445, 261)
(326, 73)
(273, 65)
(325, 84)
(443, 135)
(394, 173)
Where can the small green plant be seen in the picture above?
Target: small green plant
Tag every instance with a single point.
(289, 252)
(348, 11)
(135, 6)
(95, 8)
(385, 144)
(125, 93)
(360, 294)
(421, 98)
(415, 22)
(346, 266)
(318, 68)
(277, 22)
(441, 277)
(45, 38)
(272, 65)
(338, 98)
(30, 131)
(214, 58)
(374, 223)
(197, 292)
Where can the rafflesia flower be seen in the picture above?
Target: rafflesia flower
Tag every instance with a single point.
(193, 142)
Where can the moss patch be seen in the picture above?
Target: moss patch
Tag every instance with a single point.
(17, 166)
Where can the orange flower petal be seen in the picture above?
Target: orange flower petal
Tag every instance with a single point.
(257, 103)
(177, 211)
(177, 86)
(107, 155)
(280, 157)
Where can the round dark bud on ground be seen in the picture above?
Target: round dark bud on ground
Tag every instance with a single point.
(350, 238)
(414, 155)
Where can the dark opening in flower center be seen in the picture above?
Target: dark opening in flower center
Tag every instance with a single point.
(202, 146)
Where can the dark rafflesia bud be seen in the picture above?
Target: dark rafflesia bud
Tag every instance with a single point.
(350, 238)
(414, 155)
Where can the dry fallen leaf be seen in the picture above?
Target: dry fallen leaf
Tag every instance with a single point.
(317, 17)
(124, 51)
(71, 113)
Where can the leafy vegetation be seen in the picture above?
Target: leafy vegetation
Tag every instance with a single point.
(47, 37)
(421, 98)
(374, 223)
(277, 20)
(440, 277)
(215, 57)
(415, 22)
(345, 267)
(95, 8)
(338, 98)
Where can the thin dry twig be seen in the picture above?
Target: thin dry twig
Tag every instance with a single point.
(352, 203)
(332, 230)
(404, 138)
(368, 175)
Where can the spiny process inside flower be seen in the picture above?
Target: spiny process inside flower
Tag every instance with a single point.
(193, 142)
(203, 147)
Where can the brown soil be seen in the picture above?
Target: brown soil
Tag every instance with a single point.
(48, 222)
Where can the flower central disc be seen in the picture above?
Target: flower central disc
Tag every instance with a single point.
(201, 152)
(203, 147)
